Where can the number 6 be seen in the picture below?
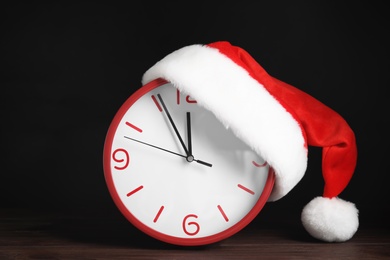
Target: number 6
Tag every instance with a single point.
(190, 223)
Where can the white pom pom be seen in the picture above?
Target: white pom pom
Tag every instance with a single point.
(330, 220)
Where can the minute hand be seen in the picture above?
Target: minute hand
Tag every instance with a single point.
(189, 143)
(173, 125)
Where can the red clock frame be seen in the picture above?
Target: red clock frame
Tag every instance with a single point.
(108, 156)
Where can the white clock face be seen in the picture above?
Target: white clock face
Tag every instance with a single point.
(164, 194)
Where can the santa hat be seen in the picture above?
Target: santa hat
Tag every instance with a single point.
(276, 120)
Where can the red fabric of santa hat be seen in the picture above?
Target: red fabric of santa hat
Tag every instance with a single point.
(276, 120)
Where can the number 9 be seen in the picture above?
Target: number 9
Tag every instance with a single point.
(124, 161)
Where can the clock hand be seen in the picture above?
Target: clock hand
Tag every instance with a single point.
(173, 124)
(204, 163)
(155, 146)
(165, 150)
(190, 157)
(189, 133)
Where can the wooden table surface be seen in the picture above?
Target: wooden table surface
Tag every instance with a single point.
(27, 234)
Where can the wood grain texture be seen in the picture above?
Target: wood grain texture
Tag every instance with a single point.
(46, 235)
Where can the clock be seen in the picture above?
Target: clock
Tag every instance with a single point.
(177, 173)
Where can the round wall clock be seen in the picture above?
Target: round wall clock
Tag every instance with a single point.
(177, 174)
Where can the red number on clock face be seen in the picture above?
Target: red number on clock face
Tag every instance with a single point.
(192, 223)
(259, 165)
(188, 98)
(123, 158)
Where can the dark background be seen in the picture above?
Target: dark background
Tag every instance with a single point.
(68, 67)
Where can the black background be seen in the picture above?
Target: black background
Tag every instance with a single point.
(68, 67)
